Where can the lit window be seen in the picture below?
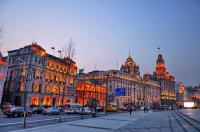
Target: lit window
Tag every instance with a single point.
(36, 88)
(37, 74)
(21, 88)
(34, 101)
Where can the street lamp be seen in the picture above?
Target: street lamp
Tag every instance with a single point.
(107, 76)
(63, 94)
(23, 78)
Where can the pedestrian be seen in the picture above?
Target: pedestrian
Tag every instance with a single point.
(130, 111)
(147, 110)
(144, 109)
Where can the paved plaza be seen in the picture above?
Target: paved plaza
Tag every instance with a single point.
(162, 121)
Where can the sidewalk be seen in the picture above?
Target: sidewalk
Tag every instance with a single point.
(100, 124)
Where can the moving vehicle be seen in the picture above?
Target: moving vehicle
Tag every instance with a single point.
(51, 111)
(17, 112)
(73, 108)
(112, 107)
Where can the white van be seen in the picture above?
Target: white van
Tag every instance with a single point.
(73, 108)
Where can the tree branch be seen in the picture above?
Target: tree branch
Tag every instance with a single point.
(68, 50)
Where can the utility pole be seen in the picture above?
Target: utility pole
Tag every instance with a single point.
(107, 76)
(64, 88)
(24, 103)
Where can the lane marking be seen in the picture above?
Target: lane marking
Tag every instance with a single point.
(15, 123)
(91, 127)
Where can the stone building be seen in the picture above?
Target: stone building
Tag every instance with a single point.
(46, 79)
(130, 67)
(90, 94)
(167, 83)
(126, 87)
(3, 72)
(181, 95)
(194, 94)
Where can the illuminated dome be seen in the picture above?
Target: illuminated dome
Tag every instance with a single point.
(161, 71)
(129, 66)
(160, 60)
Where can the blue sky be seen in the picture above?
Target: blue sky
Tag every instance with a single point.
(105, 30)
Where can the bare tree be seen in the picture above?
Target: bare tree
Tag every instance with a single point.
(68, 50)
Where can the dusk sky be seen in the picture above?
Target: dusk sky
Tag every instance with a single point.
(105, 30)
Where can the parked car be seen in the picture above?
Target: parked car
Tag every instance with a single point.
(124, 109)
(37, 110)
(164, 107)
(175, 107)
(5, 105)
(51, 111)
(86, 110)
(73, 108)
(112, 107)
(17, 112)
(148, 107)
(99, 109)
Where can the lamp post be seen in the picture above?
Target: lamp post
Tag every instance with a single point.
(24, 106)
(66, 83)
(63, 94)
(107, 76)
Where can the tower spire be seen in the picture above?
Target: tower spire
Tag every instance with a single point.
(158, 50)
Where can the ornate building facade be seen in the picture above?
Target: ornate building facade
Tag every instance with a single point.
(194, 94)
(46, 79)
(90, 94)
(126, 87)
(3, 73)
(130, 67)
(181, 95)
(167, 83)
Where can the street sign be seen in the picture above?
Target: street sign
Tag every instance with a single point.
(120, 92)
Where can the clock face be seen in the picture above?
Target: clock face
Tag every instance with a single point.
(1, 75)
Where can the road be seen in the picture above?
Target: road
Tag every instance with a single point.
(35, 117)
(107, 123)
(10, 124)
(185, 120)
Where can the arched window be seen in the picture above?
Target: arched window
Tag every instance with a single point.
(34, 101)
